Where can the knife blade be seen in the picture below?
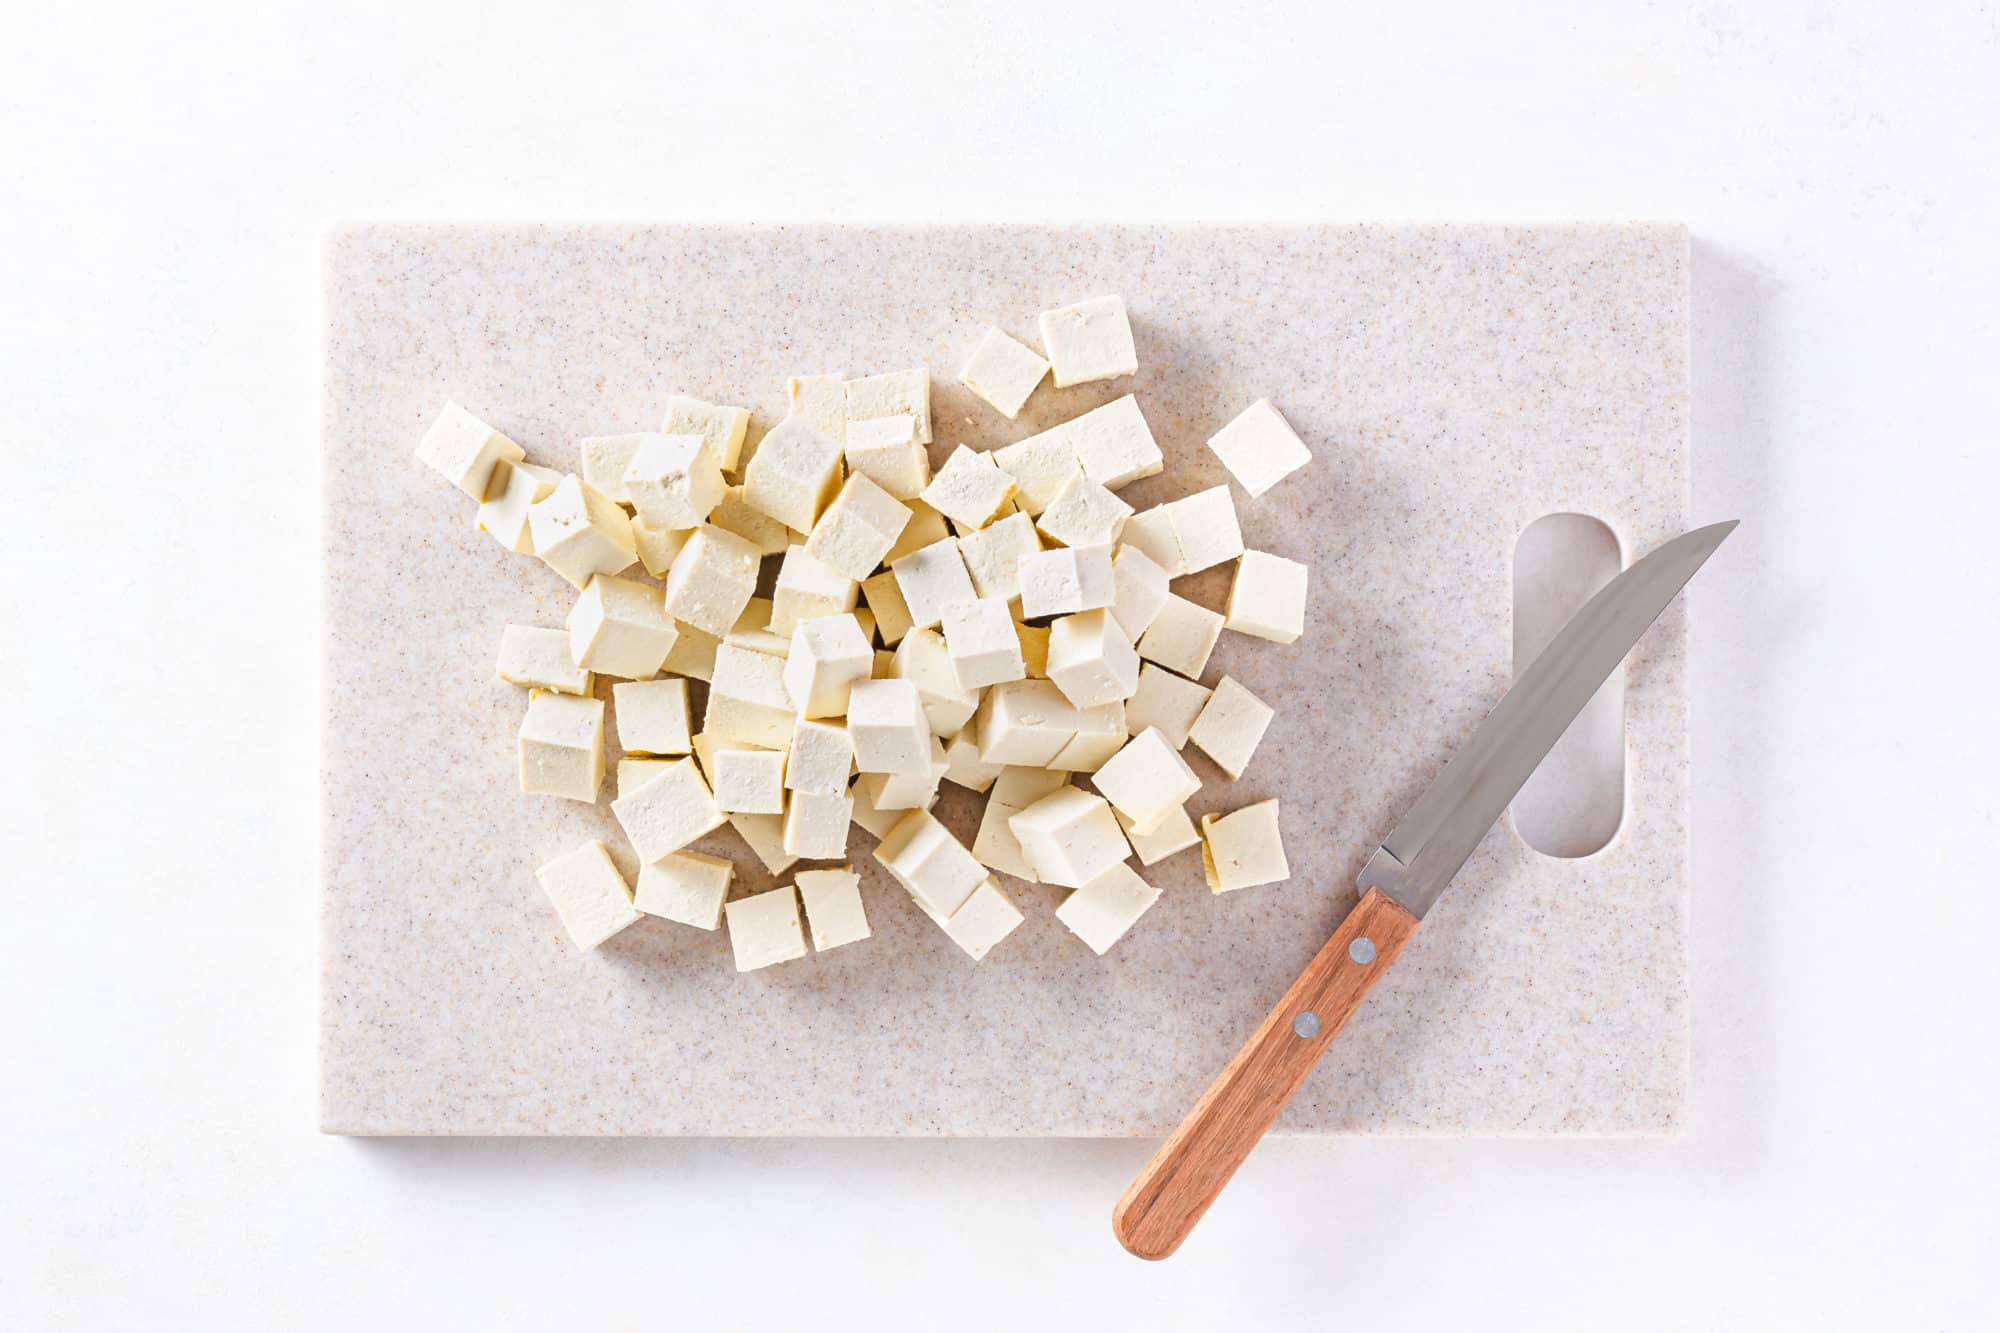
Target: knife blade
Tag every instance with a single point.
(1400, 884)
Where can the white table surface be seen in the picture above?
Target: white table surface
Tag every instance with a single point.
(166, 179)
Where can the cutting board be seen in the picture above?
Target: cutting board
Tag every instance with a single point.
(1454, 382)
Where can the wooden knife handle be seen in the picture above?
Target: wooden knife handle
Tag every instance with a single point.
(1200, 1156)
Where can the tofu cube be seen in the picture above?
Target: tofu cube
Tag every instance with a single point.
(667, 813)
(970, 489)
(561, 744)
(963, 764)
(1100, 733)
(897, 393)
(620, 628)
(514, 490)
(982, 921)
(539, 658)
(808, 589)
(887, 452)
(1173, 832)
(828, 655)
(735, 514)
(1091, 340)
(1267, 598)
(1090, 659)
(821, 759)
(996, 848)
(1024, 723)
(1181, 637)
(905, 791)
(1112, 444)
(1151, 531)
(885, 720)
(686, 887)
(1146, 779)
(636, 773)
(820, 401)
(658, 547)
(722, 428)
(1083, 514)
(752, 630)
(652, 716)
(579, 532)
(1139, 590)
(1260, 448)
(1070, 837)
(748, 702)
(1066, 580)
(877, 822)
(693, 654)
(1039, 467)
(1102, 911)
(589, 895)
(465, 451)
(1205, 528)
(1243, 849)
(923, 659)
(1230, 726)
(884, 597)
(712, 580)
(858, 528)
(1003, 372)
(764, 835)
(928, 861)
(674, 481)
(750, 782)
(1166, 702)
(833, 907)
(932, 581)
(993, 555)
(605, 458)
(984, 648)
(764, 929)
(792, 475)
(1021, 786)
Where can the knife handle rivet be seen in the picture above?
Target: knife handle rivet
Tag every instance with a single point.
(1306, 1024)
(1362, 950)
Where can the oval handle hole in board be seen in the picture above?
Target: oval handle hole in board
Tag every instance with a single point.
(1573, 804)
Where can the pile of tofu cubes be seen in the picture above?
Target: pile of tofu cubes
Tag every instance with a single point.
(1004, 623)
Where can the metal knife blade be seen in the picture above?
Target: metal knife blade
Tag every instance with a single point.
(1445, 824)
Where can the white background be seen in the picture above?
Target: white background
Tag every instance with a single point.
(164, 175)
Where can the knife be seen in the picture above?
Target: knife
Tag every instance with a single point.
(1399, 885)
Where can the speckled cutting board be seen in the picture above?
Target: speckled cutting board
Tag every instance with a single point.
(1454, 383)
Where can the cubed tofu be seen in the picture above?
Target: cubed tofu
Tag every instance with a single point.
(858, 528)
(1102, 911)
(1139, 590)
(620, 628)
(984, 648)
(1243, 849)
(658, 547)
(885, 720)
(589, 895)
(970, 489)
(923, 659)
(896, 393)
(1146, 779)
(465, 451)
(579, 532)
(1112, 444)
(1205, 528)
(652, 716)
(764, 929)
(1173, 832)
(748, 702)
(515, 489)
(822, 757)
(604, 459)
(1070, 837)
(1100, 733)
(749, 782)
(884, 597)
(1230, 726)
(636, 773)
(753, 630)
(764, 835)
(1024, 723)
(539, 659)
(687, 887)
(828, 655)
(561, 744)
(1021, 786)
(1260, 448)
(667, 813)
(833, 906)
(930, 863)
(792, 475)
(721, 427)
(1090, 659)
(1003, 372)
(982, 921)
(1181, 637)
(996, 848)
(674, 481)
(963, 764)
(1066, 580)
(816, 824)
(926, 525)
(932, 581)
(877, 822)
(808, 589)
(993, 555)
(735, 514)
(712, 580)
(913, 790)
(1083, 514)
(1091, 340)
(1267, 598)
(1039, 467)
(693, 654)
(820, 401)
(1167, 702)
(887, 452)
(1152, 531)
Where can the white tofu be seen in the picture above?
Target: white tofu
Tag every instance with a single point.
(652, 716)
(793, 473)
(1024, 723)
(816, 824)
(1173, 832)
(995, 847)
(1083, 514)
(735, 514)
(674, 481)
(764, 835)
(884, 597)
(885, 720)
(1260, 448)
(764, 929)
(539, 658)
(808, 589)
(858, 528)
(1039, 466)
(986, 917)
(828, 654)
(833, 907)
(1091, 340)
(604, 459)
(1166, 702)
(1146, 780)
(750, 782)
(1090, 659)
(620, 628)
(712, 580)
(658, 547)
(1100, 733)
(896, 393)
(1151, 531)
(820, 401)
(1139, 590)
(924, 660)
(636, 773)
(993, 555)
(1181, 637)
(877, 822)
(1102, 911)
(822, 756)
(667, 813)
(971, 489)
(693, 654)
(686, 887)
(752, 630)
(514, 489)
(1230, 726)
(1003, 372)
(916, 790)
(465, 451)
(1070, 837)
(747, 700)
(1205, 528)
(589, 895)
(963, 764)
(928, 861)
(579, 532)
(1267, 598)
(886, 450)
(561, 744)
(722, 428)
(1112, 444)
(1066, 580)
(932, 581)
(1021, 786)
(984, 648)
(1243, 849)
(926, 525)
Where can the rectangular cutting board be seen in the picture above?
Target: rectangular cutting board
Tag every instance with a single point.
(1454, 382)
